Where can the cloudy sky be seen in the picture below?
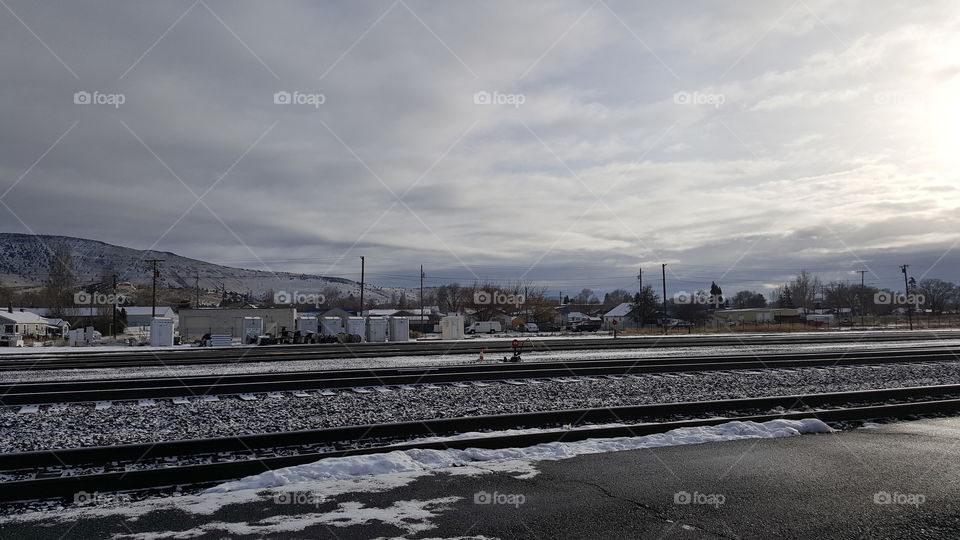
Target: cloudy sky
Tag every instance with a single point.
(566, 143)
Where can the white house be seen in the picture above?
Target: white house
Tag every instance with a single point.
(620, 314)
(24, 323)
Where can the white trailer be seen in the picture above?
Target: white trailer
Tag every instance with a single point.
(357, 326)
(331, 326)
(376, 329)
(252, 328)
(306, 324)
(398, 329)
(451, 327)
(161, 332)
(83, 336)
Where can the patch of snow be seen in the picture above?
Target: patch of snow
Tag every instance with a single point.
(423, 460)
(411, 516)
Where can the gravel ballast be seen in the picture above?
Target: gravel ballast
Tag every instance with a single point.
(450, 359)
(127, 422)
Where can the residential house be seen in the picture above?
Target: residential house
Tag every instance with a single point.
(23, 322)
(619, 317)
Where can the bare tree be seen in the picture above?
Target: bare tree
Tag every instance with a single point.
(803, 289)
(937, 294)
(748, 299)
(451, 298)
(644, 305)
(586, 296)
(615, 298)
(838, 296)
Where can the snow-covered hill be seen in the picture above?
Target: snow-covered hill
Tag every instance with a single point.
(26, 260)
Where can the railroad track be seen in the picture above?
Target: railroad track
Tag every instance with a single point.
(63, 473)
(35, 393)
(145, 357)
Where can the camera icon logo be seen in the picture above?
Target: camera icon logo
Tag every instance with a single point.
(482, 98)
(683, 298)
(882, 497)
(82, 298)
(81, 98)
(882, 298)
(682, 98)
(482, 297)
(482, 497)
(282, 297)
(283, 498)
(682, 497)
(82, 497)
(282, 98)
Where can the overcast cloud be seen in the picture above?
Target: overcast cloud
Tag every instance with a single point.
(737, 142)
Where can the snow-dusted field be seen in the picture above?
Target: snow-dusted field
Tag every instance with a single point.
(128, 422)
(435, 360)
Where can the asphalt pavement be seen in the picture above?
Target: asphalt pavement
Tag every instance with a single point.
(892, 481)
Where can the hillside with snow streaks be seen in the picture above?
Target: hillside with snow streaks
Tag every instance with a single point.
(25, 261)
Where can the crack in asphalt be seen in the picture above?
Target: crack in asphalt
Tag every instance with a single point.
(650, 509)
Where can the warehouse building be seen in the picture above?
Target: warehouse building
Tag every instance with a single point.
(194, 323)
(757, 315)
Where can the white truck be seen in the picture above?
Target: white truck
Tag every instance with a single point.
(484, 327)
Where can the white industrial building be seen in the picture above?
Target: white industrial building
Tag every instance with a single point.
(141, 315)
(194, 323)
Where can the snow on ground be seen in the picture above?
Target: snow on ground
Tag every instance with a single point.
(419, 460)
(328, 479)
(448, 359)
(127, 422)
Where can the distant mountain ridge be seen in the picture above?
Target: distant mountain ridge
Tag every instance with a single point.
(25, 262)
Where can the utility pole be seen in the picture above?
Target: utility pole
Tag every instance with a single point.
(156, 274)
(663, 271)
(197, 284)
(640, 303)
(113, 319)
(362, 276)
(862, 272)
(906, 292)
(422, 275)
